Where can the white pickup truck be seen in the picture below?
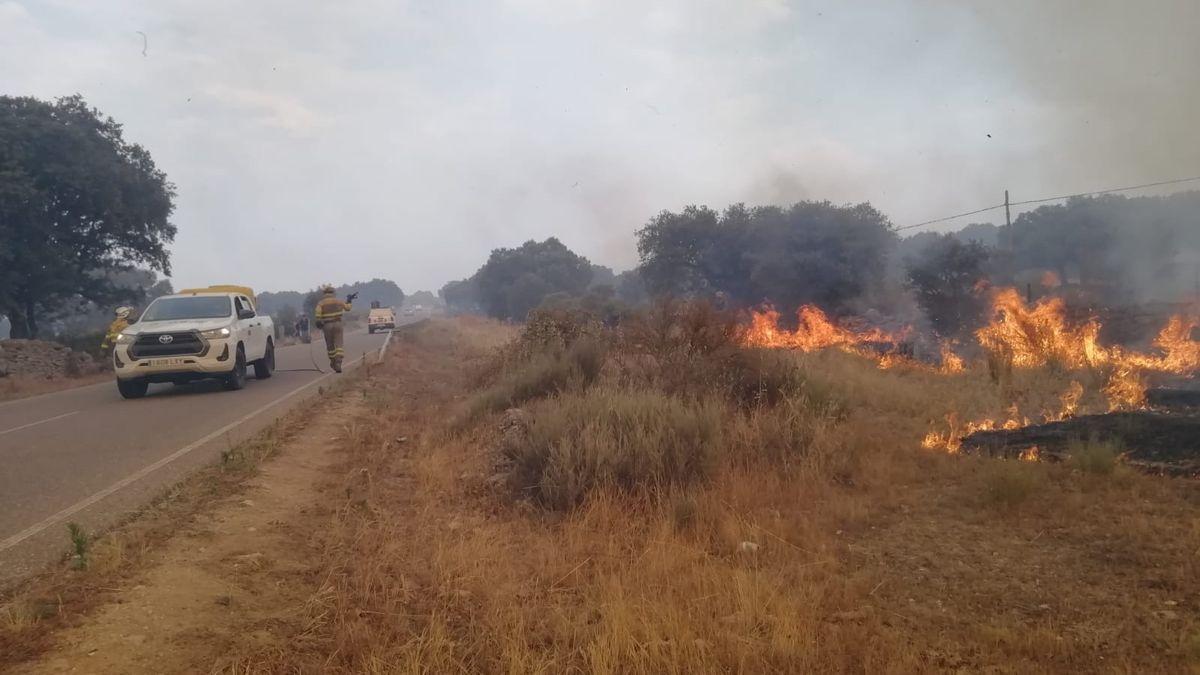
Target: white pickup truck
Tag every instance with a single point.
(196, 334)
(381, 318)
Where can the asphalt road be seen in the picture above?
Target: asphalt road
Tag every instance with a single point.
(88, 456)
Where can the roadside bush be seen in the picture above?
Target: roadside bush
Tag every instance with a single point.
(674, 328)
(547, 332)
(758, 377)
(555, 329)
(629, 440)
(782, 434)
(540, 376)
(1094, 456)
(681, 347)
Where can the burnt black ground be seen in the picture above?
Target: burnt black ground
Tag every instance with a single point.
(1166, 442)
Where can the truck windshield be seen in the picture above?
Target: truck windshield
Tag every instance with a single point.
(197, 307)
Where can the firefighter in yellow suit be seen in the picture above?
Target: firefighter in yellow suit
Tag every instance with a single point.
(114, 329)
(329, 313)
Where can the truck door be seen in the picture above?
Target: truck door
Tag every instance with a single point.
(253, 336)
(260, 329)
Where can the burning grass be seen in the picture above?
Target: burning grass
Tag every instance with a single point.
(1018, 336)
(681, 525)
(670, 499)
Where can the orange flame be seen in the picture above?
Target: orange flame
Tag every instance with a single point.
(1181, 352)
(951, 362)
(1031, 336)
(815, 331)
(1040, 335)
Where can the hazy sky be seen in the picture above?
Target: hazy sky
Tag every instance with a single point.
(339, 141)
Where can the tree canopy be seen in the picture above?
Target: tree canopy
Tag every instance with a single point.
(810, 252)
(424, 298)
(76, 202)
(1124, 249)
(515, 280)
(384, 291)
(461, 296)
(945, 278)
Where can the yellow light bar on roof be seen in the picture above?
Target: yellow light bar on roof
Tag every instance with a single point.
(223, 288)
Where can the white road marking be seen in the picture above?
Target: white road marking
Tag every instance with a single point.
(125, 482)
(34, 424)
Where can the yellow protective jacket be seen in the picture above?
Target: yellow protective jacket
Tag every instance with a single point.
(330, 309)
(114, 329)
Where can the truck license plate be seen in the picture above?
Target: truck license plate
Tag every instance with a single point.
(166, 362)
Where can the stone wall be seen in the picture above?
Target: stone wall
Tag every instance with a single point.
(35, 358)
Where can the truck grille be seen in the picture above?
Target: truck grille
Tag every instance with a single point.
(148, 345)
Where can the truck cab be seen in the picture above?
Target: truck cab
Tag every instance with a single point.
(196, 334)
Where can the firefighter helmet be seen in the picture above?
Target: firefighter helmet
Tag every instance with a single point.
(123, 312)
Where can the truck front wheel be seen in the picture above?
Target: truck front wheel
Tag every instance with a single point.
(132, 388)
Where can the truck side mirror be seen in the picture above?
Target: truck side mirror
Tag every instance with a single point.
(245, 314)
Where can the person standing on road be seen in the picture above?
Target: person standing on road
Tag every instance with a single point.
(114, 329)
(302, 329)
(329, 314)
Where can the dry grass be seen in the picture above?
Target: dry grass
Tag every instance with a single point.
(1094, 457)
(632, 441)
(34, 610)
(817, 536)
(538, 376)
(797, 528)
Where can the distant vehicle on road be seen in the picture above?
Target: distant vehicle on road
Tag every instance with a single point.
(381, 318)
(408, 312)
(196, 334)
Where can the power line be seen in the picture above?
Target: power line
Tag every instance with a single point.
(1101, 192)
(957, 215)
(1052, 199)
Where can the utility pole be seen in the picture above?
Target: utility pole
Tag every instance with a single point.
(1012, 245)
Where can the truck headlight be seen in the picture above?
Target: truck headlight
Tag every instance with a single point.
(215, 334)
(124, 338)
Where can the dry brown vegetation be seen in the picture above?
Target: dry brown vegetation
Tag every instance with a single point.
(668, 501)
(34, 613)
(696, 508)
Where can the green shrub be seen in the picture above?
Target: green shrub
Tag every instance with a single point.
(758, 377)
(681, 347)
(630, 440)
(541, 376)
(1094, 456)
(80, 545)
(1009, 483)
(782, 433)
(555, 329)
(674, 329)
